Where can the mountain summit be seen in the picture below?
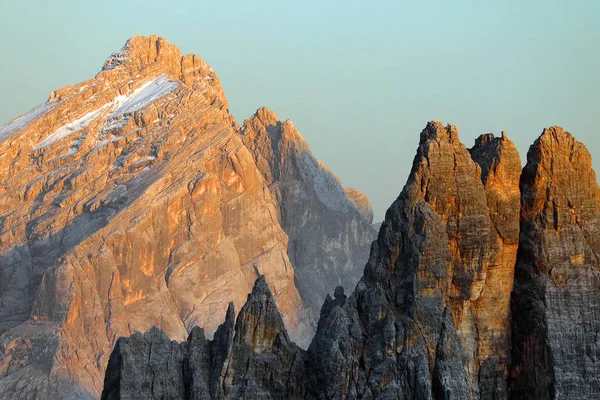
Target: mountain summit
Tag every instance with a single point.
(134, 200)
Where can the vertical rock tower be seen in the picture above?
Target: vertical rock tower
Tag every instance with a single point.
(431, 314)
(556, 299)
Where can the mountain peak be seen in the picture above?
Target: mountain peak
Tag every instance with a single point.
(266, 116)
(435, 130)
(558, 256)
(555, 138)
(259, 322)
(141, 173)
(146, 57)
(554, 144)
(142, 50)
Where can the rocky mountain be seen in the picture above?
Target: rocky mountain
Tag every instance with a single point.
(135, 200)
(430, 316)
(482, 284)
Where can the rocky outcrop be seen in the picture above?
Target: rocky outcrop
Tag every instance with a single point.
(251, 357)
(556, 299)
(329, 227)
(131, 201)
(430, 317)
(500, 171)
(361, 203)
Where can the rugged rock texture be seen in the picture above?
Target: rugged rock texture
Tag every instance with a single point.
(500, 171)
(361, 203)
(131, 201)
(329, 227)
(251, 358)
(430, 316)
(134, 200)
(556, 300)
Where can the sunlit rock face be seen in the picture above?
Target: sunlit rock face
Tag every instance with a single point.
(430, 317)
(556, 301)
(131, 201)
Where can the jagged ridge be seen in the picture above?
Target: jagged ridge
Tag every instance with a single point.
(251, 357)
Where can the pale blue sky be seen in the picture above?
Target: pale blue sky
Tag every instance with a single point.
(359, 79)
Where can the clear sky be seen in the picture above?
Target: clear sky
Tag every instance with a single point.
(359, 79)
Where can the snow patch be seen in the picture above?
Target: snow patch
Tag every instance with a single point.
(7, 130)
(143, 160)
(114, 124)
(71, 151)
(100, 145)
(145, 95)
(142, 97)
(117, 58)
(72, 127)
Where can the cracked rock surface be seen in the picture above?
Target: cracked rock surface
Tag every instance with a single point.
(556, 301)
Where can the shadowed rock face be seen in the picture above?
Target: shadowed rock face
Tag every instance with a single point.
(329, 227)
(556, 300)
(251, 357)
(131, 201)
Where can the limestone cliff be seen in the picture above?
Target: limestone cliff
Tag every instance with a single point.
(131, 201)
(430, 318)
(433, 316)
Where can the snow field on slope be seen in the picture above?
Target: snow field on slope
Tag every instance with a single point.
(142, 97)
(7, 130)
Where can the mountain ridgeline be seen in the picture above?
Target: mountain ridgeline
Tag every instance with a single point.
(483, 283)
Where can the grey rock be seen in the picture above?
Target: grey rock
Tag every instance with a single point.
(251, 357)
(329, 227)
(419, 324)
(556, 298)
(430, 317)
